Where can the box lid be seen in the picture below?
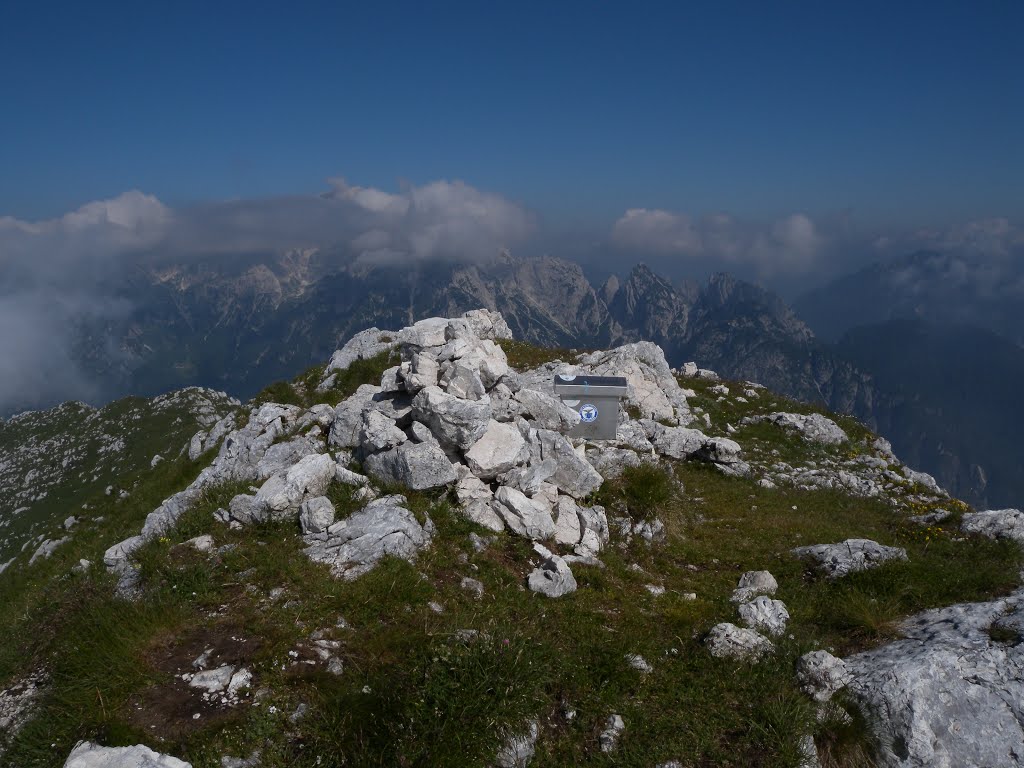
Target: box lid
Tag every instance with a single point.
(587, 384)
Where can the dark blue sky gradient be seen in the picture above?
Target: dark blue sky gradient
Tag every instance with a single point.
(904, 113)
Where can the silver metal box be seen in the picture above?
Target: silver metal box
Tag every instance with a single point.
(596, 399)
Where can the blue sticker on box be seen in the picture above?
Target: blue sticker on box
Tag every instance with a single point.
(588, 413)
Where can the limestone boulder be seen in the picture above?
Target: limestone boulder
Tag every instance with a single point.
(524, 516)
(996, 524)
(553, 578)
(455, 422)
(499, 449)
(850, 556)
(727, 641)
(354, 546)
(765, 615)
(414, 465)
(379, 433)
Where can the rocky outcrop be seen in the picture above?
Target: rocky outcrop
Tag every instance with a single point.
(996, 524)
(811, 426)
(353, 546)
(850, 556)
(948, 694)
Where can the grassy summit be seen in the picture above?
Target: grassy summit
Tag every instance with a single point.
(433, 673)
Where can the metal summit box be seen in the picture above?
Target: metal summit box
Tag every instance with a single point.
(595, 399)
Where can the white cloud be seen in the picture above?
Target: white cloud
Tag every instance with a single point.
(790, 244)
(56, 271)
(657, 231)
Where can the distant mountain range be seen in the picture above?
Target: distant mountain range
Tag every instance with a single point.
(891, 344)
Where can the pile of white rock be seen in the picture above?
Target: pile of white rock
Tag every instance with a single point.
(450, 413)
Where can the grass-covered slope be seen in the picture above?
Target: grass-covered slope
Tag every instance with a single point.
(433, 673)
(52, 462)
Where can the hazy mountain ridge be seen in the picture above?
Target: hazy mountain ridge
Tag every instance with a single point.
(247, 324)
(936, 287)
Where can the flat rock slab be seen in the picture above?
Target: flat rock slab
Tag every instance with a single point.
(948, 694)
(813, 427)
(996, 524)
(354, 546)
(89, 755)
(850, 556)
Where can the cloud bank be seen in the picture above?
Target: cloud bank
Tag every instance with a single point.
(790, 244)
(59, 278)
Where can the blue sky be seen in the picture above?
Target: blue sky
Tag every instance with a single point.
(579, 110)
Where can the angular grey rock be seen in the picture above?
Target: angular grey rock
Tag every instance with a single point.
(923, 478)
(499, 449)
(415, 465)
(850, 556)
(487, 359)
(423, 372)
(213, 680)
(484, 513)
(568, 530)
(379, 433)
(685, 443)
(89, 755)
(811, 426)
(362, 346)
(752, 584)
(429, 332)
(472, 585)
(525, 516)
(470, 487)
(553, 578)
(421, 433)
(594, 531)
(765, 615)
(280, 456)
(820, 675)
(346, 476)
(348, 417)
(486, 324)
(933, 518)
(995, 523)
(457, 423)
(354, 546)
(547, 411)
(284, 492)
(195, 445)
(247, 509)
(46, 549)
(518, 750)
(529, 479)
(727, 641)
(678, 442)
(463, 382)
(720, 450)
(609, 737)
(201, 543)
(639, 663)
(316, 515)
(947, 694)
(573, 474)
